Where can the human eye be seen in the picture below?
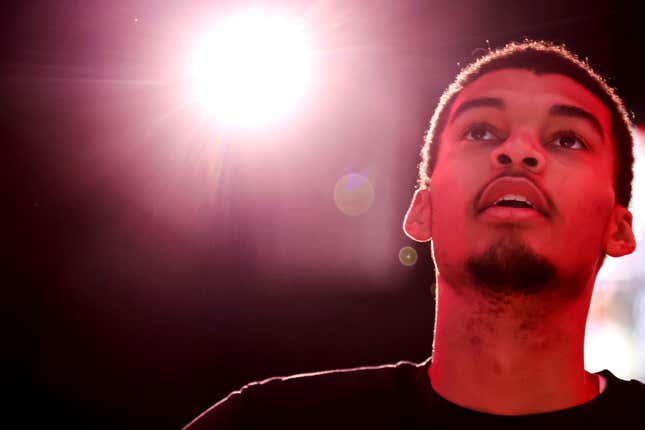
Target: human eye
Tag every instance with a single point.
(568, 140)
(481, 132)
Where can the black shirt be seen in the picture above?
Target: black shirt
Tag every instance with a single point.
(397, 396)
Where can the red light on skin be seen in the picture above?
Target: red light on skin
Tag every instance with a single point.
(506, 214)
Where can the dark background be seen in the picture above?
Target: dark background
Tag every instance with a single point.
(140, 286)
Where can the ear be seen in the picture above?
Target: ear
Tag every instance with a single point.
(620, 237)
(417, 223)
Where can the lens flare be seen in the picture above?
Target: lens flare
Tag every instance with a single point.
(408, 256)
(353, 194)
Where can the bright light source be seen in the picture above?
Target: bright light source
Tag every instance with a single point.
(251, 68)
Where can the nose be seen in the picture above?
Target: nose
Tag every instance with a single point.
(520, 152)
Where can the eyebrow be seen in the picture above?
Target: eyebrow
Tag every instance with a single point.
(476, 103)
(576, 112)
(555, 110)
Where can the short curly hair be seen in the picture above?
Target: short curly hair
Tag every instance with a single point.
(541, 58)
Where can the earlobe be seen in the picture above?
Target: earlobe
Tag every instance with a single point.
(417, 223)
(620, 240)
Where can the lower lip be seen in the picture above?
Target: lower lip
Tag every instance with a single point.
(509, 214)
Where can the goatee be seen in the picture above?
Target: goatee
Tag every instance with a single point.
(510, 268)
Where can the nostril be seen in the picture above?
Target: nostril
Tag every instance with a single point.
(531, 161)
(504, 159)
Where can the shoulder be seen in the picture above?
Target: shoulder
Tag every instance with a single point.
(629, 386)
(303, 395)
(623, 395)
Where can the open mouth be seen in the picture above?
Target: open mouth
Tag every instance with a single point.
(514, 201)
(513, 192)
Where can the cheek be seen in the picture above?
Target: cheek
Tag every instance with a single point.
(592, 194)
(584, 188)
(586, 221)
(450, 195)
(595, 215)
(452, 199)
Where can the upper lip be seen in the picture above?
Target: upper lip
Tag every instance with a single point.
(513, 185)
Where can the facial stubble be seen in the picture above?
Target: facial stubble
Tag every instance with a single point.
(510, 267)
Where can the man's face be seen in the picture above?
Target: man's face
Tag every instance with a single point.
(525, 163)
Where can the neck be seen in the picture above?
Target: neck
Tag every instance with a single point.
(510, 355)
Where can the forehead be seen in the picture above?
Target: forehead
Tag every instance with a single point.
(519, 87)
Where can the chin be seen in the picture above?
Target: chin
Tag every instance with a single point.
(510, 266)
